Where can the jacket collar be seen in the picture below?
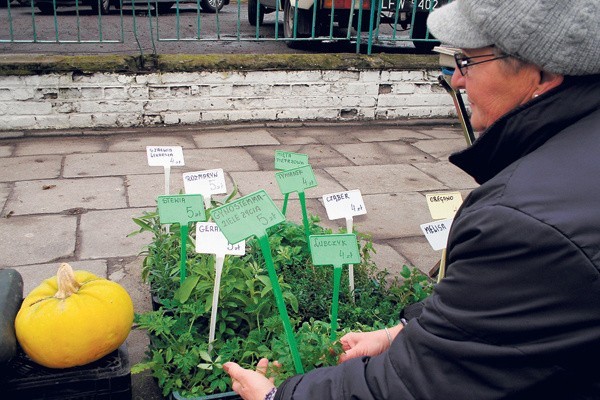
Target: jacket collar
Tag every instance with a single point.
(524, 129)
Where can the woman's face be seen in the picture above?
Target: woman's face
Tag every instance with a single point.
(496, 87)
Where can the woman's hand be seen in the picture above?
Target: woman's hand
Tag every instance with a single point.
(251, 385)
(359, 344)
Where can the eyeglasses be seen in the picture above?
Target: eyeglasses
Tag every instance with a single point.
(463, 62)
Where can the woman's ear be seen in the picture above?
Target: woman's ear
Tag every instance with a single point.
(547, 81)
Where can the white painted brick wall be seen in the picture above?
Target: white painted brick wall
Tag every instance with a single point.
(104, 100)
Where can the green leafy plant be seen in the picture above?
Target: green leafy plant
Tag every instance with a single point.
(248, 325)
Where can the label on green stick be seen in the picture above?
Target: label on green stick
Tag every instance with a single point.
(334, 249)
(296, 179)
(285, 160)
(182, 208)
(247, 216)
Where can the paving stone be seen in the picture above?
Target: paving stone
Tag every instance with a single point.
(139, 142)
(292, 137)
(30, 167)
(104, 234)
(441, 148)
(389, 134)
(394, 215)
(60, 145)
(380, 153)
(249, 182)
(252, 137)
(417, 251)
(34, 275)
(4, 193)
(371, 179)
(58, 195)
(229, 159)
(386, 258)
(142, 190)
(449, 174)
(6, 150)
(443, 132)
(319, 156)
(36, 239)
(108, 164)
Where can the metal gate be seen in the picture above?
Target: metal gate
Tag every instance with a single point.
(301, 24)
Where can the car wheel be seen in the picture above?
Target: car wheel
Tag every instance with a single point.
(303, 25)
(46, 8)
(212, 6)
(256, 14)
(419, 31)
(100, 6)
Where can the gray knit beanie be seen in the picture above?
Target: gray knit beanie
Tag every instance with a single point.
(560, 36)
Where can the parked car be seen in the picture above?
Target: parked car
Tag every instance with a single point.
(103, 6)
(299, 20)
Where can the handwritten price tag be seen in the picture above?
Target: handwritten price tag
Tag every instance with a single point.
(247, 216)
(182, 208)
(344, 204)
(443, 205)
(437, 232)
(296, 179)
(210, 240)
(161, 156)
(287, 160)
(207, 182)
(334, 249)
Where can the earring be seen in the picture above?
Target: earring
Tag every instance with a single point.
(535, 95)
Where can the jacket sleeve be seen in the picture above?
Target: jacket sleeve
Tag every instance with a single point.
(511, 316)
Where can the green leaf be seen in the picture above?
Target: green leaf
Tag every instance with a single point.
(205, 356)
(185, 290)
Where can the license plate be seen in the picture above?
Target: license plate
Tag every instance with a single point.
(426, 5)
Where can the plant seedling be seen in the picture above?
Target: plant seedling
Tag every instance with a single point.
(336, 250)
(298, 180)
(285, 160)
(166, 157)
(252, 215)
(181, 209)
(210, 240)
(345, 205)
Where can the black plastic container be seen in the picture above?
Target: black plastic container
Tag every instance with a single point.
(106, 379)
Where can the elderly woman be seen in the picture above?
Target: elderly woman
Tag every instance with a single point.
(518, 314)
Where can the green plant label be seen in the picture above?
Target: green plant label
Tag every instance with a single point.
(163, 156)
(344, 204)
(181, 208)
(247, 216)
(335, 249)
(296, 179)
(285, 160)
(206, 182)
(443, 205)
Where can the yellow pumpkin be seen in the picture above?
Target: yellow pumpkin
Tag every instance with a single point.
(73, 319)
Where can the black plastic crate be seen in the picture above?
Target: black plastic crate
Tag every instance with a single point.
(106, 379)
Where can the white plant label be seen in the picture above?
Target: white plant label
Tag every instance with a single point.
(165, 156)
(443, 205)
(437, 232)
(207, 182)
(344, 204)
(210, 240)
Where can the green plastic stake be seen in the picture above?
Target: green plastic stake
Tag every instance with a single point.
(336, 250)
(285, 160)
(181, 209)
(252, 215)
(297, 180)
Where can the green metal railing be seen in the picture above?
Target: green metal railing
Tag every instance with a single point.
(391, 23)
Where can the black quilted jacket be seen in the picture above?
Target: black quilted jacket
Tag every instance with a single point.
(518, 314)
